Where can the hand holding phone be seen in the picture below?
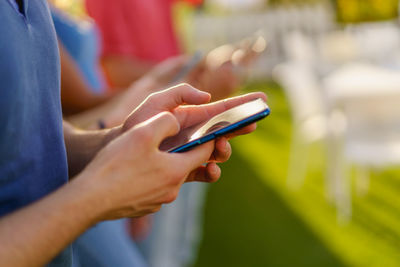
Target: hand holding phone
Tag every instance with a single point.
(221, 124)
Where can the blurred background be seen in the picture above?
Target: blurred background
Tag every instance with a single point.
(317, 184)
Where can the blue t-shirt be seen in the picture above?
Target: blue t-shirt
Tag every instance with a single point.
(32, 151)
(81, 40)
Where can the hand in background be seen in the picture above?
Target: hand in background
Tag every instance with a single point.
(223, 69)
(155, 80)
(217, 73)
(221, 82)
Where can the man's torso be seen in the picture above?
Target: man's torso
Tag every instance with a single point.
(32, 151)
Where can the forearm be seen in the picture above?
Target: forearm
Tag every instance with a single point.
(75, 103)
(89, 119)
(76, 96)
(34, 235)
(115, 111)
(82, 146)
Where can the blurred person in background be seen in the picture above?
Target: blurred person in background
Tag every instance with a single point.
(86, 89)
(83, 81)
(136, 35)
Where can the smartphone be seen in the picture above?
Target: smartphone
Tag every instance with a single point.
(220, 125)
(188, 67)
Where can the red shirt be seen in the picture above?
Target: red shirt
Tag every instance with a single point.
(139, 28)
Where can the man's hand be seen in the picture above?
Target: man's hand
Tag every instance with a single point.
(131, 177)
(173, 100)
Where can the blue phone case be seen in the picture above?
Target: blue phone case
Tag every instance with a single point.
(228, 129)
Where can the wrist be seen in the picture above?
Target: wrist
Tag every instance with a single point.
(82, 146)
(89, 197)
(77, 202)
(111, 134)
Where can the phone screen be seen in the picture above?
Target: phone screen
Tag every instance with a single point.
(223, 123)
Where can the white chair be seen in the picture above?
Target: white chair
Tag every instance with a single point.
(309, 120)
(302, 88)
(369, 99)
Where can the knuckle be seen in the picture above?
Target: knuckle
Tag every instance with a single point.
(172, 181)
(171, 120)
(184, 85)
(171, 196)
(167, 116)
(188, 87)
(175, 176)
(144, 136)
(155, 97)
(156, 209)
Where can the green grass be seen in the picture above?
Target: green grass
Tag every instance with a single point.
(253, 219)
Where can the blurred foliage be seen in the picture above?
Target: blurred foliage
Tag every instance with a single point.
(366, 10)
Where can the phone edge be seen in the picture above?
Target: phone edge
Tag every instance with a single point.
(221, 132)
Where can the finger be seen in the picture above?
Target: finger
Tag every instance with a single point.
(159, 127)
(219, 56)
(209, 173)
(190, 115)
(222, 105)
(222, 151)
(178, 95)
(194, 158)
